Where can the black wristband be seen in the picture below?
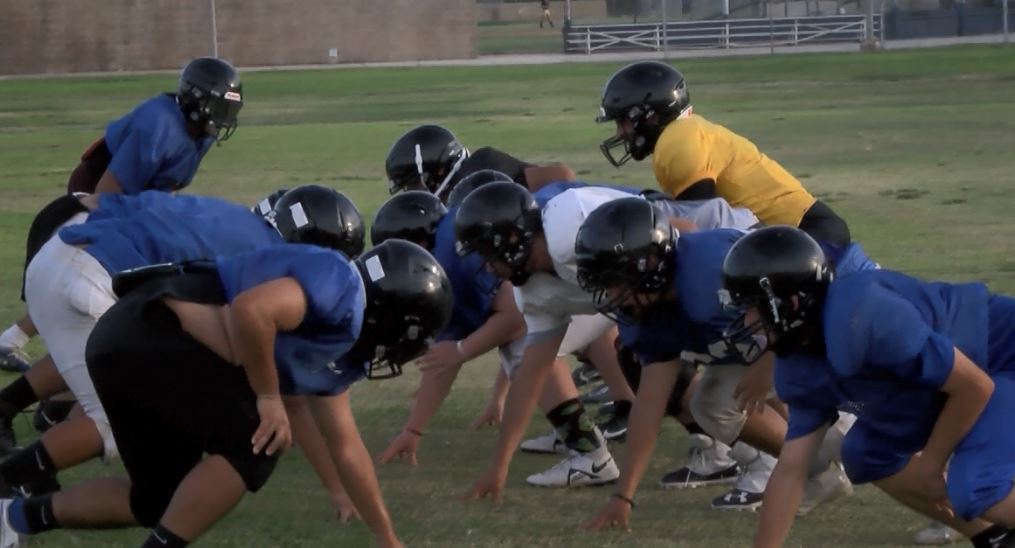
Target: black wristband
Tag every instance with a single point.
(623, 498)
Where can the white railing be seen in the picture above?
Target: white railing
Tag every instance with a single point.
(730, 33)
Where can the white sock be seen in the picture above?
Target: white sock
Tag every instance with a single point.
(14, 337)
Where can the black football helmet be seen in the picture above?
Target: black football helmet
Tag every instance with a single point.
(648, 93)
(764, 270)
(408, 302)
(474, 181)
(412, 216)
(313, 214)
(266, 207)
(425, 158)
(499, 221)
(624, 252)
(210, 95)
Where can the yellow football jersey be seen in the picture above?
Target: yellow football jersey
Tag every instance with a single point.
(692, 149)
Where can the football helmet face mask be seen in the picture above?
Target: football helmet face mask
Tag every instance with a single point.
(624, 252)
(775, 278)
(425, 158)
(640, 99)
(210, 95)
(499, 221)
(409, 302)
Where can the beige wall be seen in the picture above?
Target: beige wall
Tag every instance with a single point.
(48, 36)
(581, 10)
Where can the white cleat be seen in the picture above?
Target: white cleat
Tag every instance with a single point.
(936, 534)
(549, 444)
(9, 537)
(825, 487)
(708, 463)
(749, 490)
(579, 470)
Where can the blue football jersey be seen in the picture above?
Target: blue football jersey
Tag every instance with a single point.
(312, 359)
(152, 149)
(472, 284)
(132, 231)
(890, 342)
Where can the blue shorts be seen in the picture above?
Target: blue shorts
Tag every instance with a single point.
(1001, 334)
(870, 456)
(983, 465)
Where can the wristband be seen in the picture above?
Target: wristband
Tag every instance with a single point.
(623, 498)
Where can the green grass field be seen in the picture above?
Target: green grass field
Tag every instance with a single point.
(914, 148)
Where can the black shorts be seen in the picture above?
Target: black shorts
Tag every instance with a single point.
(169, 401)
(44, 226)
(825, 225)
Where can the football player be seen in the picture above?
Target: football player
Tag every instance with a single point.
(659, 284)
(431, 158)
(157, 146)
(529, 240)
(126, 232)
(191, 366)
(695, 159)
(926, 367)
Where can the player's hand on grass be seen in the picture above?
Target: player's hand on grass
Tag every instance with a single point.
(403, 447)
(273, 433)
(616, 513)
(345, 510)
(489, 486)
(489, 416)
(440, 357)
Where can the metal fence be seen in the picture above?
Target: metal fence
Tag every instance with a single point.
(729, 33)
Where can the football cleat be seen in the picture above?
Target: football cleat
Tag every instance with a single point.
(547, 444)
(708, 463)
(14, 360)
(579, 470)
(584, 374)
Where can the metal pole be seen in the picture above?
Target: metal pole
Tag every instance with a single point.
(771, 29)
(868, 31)
(1004, 14)
(214, 30)
(726, 9)
(567, 11)
(666, 38)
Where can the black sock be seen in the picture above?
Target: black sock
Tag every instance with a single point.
(693, 428)
(622, 408)
(29, 464)
(39, 514)
(15, 397)
(574, 426)
(161, 537)
(991, 537)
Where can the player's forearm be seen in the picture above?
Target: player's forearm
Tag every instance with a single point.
(968, 389)
(500, 387)
(255, 352)
(433, 389)
(312, 443)
(500, 328)
(521, 400)
(642, 434)
(643, 424)
(359, 478)
(959, 414)
(783, 495)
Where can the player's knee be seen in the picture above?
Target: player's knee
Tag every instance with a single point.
(719, 417)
